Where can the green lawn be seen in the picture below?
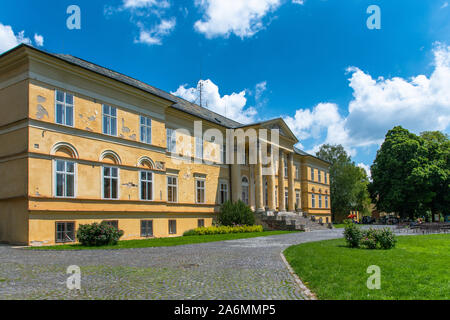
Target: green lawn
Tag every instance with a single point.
(418, 268)
(339, 226)
(166, 242)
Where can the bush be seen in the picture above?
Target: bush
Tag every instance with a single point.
(202, 231)
(370, 239)
(352, 234)
(386, 238)
(94, 235)
(237, 213)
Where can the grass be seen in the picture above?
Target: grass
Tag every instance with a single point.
(339, 226)
(166, 242)
(416, 269)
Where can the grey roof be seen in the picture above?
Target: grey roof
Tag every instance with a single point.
(178, 103)
(303, 153)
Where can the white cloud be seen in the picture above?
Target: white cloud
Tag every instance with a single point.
(366, 168)
(39, 40)
(232, 106)
(298, 1)
(418, 104)
(445, 5)
(132, 4)
(154, 36)
(9, 40)
(244, 18)
(150, 16)
(260, 88)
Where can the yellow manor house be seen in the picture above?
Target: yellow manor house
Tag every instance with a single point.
(81, 144)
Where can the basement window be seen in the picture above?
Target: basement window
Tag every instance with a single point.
(65, 232)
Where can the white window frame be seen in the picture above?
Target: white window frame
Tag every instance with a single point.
(197, 188)
(153, 229)
(223, 153)
(286, 170)
(110, 117)
(286, 196)
(172, 185)
(246, 200)
(199, 147)
(223, 183)
(297, 199)
(170, 220)
(103, 182)
(326, 202)
(65, 105)
(144, 129)
(320, 201)
(312, 174)
(319, 175)
(55, 173)
(171, 140)
(325, 177)
(297, 171)
(152, 181)
(313, 201)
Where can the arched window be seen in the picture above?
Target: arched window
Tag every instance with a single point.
(146, 162)
(64, 171)
(64, 149)
(110, 157)
(245, 190)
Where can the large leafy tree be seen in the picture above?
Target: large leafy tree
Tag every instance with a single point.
(348, 182)
(411, 173)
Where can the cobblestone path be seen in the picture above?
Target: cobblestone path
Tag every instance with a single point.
(237, 269)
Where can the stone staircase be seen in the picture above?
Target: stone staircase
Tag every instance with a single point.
(289, 221)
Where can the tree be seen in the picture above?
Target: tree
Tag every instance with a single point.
(411, 174)
(348, 183)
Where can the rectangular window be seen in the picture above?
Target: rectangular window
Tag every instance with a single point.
(200, 191)
(109, 120)
(64, 108)
(146, 228)
(223, 192)
(319, 174)
(313, 201)
(146, 185)
(223, 153)
(65, 179)
(171, 140)
(199, 148)
(201, 223)
(110, 183)
(276, 196)
(296, 173)
(65, 232)
(172, 189)
(113, 223)
(146, 129)
(326, 202)
(325, 177)
(312, 174)
(320, 201)
(285, 168)
(172, 226)
(297, 199)
(286, 197)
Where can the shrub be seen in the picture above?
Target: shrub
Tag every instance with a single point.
(352, 234)
(94, 235)
(386, 238)
(202, 231)
(369, 239)
(237, 213)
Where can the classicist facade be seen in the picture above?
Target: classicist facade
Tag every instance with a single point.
(81, 144)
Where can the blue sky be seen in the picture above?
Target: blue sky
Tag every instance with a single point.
(268, 58)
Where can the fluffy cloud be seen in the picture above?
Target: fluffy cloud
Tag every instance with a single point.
(39, 40)
(418, 104)
(132, 4)
(151, 17)
(9, 40)
(243, 18)
(154, 36)
(231, 106)
(366, 168)
(298, 1)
